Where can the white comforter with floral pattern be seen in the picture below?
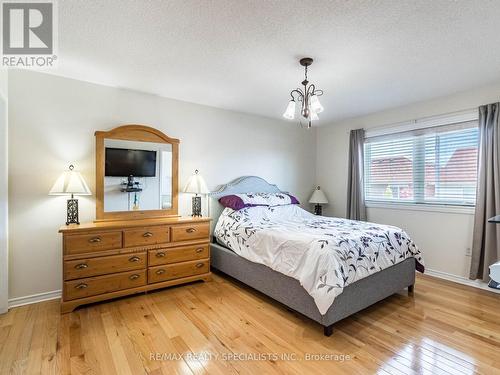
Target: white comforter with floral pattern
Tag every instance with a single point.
(324, 254)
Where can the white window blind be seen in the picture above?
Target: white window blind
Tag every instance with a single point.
(435, 165)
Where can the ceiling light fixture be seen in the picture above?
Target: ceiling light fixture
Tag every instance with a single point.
(308, 97)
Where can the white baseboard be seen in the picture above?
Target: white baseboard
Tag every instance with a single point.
(34, 298)
(461, 280)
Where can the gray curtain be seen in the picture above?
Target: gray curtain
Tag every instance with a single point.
(356, 209)
(485, 242)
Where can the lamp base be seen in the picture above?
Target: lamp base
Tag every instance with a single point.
(318, 210)
(196, 206)
(72, 212)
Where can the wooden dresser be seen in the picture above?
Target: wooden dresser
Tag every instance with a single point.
(111, 259)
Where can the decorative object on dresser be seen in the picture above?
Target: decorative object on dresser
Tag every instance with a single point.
(71, 183)
(104, 260)
(318, 198)
(196, 185)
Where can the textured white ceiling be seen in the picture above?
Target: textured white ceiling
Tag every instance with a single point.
(243, 55)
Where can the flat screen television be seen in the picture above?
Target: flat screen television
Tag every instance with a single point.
(124, 163)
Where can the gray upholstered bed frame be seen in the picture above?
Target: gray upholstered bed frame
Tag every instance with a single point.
(287, 290)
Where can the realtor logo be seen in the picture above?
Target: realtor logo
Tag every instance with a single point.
(28, 33)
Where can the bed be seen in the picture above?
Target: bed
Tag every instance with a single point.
(318, 286)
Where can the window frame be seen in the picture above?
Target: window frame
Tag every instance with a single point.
(419, 203)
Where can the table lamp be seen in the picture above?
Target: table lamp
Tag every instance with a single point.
(71, 183)
(196, 185)
(318, 198)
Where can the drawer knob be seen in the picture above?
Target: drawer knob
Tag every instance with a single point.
(134, 259)
(199, 265)
(81, 266)
(160, 272)
(147, 234)
(200, 250)
(95, 240)
(134, 277)
(81, 286)
(160, 254)
(191, 230)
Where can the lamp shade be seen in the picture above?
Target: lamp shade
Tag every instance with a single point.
(196, 184)
(290, 110)
(316, 105)
(313, 116)
(318, 197)
(70, 182)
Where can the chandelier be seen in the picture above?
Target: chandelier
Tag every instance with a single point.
(308, 97)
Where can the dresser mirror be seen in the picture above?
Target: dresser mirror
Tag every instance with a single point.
(136, 173)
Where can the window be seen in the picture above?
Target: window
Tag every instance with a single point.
(436, 165)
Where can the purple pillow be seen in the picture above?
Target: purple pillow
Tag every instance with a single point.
(232, 201)
(239, 201)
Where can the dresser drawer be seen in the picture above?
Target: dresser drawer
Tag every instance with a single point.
(190, 232)
(178, 254)
(147, 236)
(103, 284)
(86, 243)
(176, 271)
(76, 269)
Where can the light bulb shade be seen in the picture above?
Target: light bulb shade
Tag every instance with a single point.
(313, 115)
(316, 105)
(196, 185)
(290, 110)
(70, 182)
(318, 197)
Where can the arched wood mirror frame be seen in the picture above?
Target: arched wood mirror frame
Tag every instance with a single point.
(140, 133)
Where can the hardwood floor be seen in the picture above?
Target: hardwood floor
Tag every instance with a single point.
(209, 327)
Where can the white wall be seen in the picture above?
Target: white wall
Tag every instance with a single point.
(4, 268)
(52, 122)
(443, 237)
